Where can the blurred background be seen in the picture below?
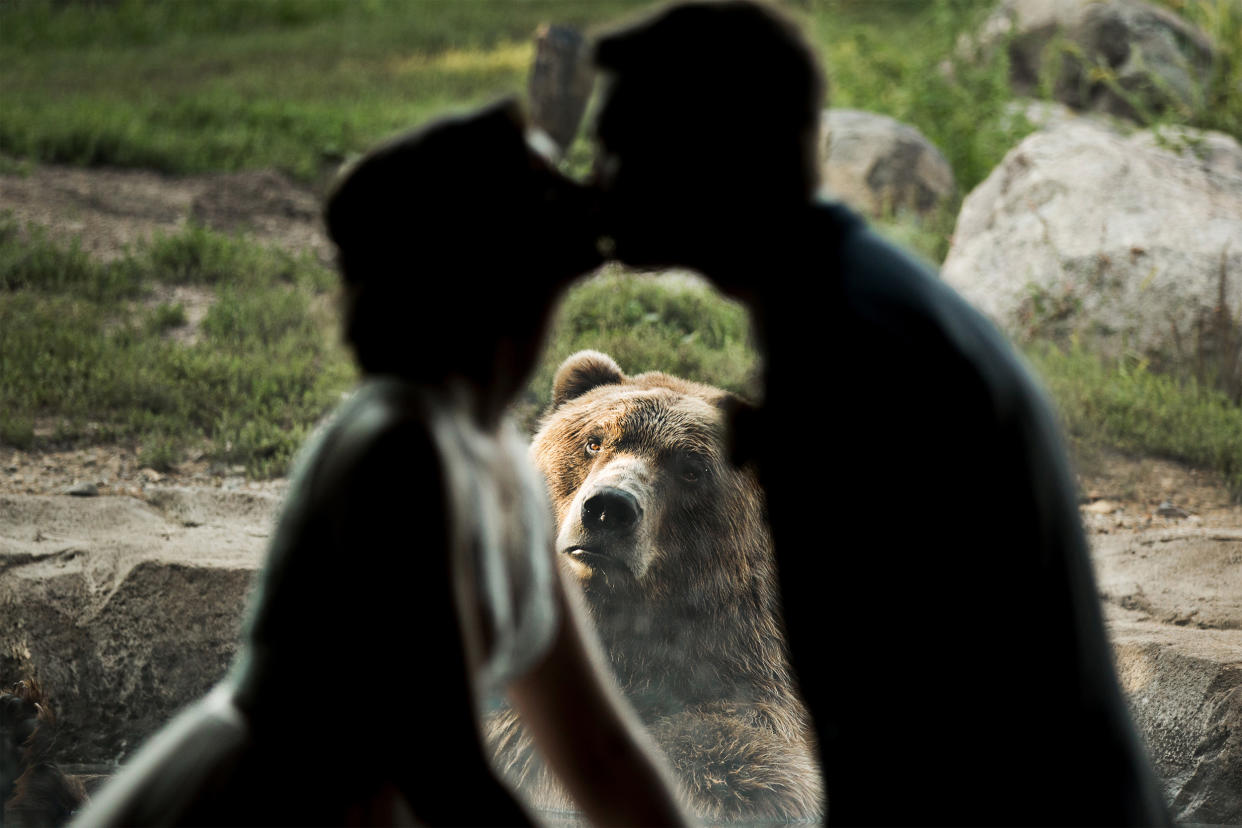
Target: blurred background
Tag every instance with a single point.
(169, 333)
(165, 284)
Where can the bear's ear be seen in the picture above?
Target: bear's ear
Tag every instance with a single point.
(582, 372)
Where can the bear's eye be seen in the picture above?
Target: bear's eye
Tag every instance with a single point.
(594, 445)
(692, 469)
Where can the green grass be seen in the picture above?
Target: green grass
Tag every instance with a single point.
(89, 352)
(1125, 405)
(295, 84)
(671, 323)
(85, 354)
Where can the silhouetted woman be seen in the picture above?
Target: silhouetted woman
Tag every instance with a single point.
(412, 575)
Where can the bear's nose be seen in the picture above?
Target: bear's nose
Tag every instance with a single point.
(610, 510)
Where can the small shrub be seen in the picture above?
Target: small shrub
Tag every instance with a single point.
(160, 453)
(166, 317)
(17, 431)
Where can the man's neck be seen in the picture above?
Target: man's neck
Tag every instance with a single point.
(764, 254)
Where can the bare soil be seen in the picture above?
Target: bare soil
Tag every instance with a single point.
(110, 210)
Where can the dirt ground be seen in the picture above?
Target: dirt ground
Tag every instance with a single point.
(108, 210)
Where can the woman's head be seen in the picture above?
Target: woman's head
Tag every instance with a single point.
(454, 240)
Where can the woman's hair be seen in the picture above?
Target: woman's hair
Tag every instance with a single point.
(423, 225)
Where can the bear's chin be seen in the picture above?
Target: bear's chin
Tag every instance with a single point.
(602, 577)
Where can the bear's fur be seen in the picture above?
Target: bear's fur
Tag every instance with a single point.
(33, 790)
(670, 544)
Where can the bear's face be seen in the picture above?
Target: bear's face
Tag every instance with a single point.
(649, 510)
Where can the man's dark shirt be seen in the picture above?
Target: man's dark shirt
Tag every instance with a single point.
(938, 594)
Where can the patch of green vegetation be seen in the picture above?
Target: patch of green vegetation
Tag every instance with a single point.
(901, 60)
(293, 85)
(16, 430)
(299, 85)
(166, 317)
(672, 323)
(80, 349)
(1124, 404)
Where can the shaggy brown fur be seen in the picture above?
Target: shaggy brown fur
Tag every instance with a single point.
(33, 790)
(670, 544)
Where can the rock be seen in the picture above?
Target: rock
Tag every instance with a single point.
(1167, 509)
(83, 490)
(1130, 247)
(1156, 58)
(1039, 114)
(124, 615)
(560, 83)
(1184, 687)
(1211, 795)
(1214, 151)
(879, 165)
(1187, 573)
(1047, 115)
(1173, 601)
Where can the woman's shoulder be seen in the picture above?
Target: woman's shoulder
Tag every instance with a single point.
(383, 426)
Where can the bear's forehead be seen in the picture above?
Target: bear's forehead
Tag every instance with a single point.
(660, 415)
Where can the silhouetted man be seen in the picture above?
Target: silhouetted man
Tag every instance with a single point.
(939, 599)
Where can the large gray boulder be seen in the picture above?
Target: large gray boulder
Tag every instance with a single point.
(125, 610)
(878, 165)
(1127, 244)
(1123, 57)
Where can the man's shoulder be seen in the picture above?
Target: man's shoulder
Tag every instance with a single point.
(887, 300)
(879, 282)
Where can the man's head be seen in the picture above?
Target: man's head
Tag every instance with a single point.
(709, 121)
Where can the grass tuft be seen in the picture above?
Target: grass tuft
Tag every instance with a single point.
(1124, 404)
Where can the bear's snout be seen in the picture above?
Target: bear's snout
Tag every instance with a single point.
(611, 511)
(606, 530)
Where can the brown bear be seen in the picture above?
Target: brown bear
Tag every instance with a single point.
(671, 547)
(33, 789)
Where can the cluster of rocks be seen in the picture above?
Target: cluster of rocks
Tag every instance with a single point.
(1128, 58)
